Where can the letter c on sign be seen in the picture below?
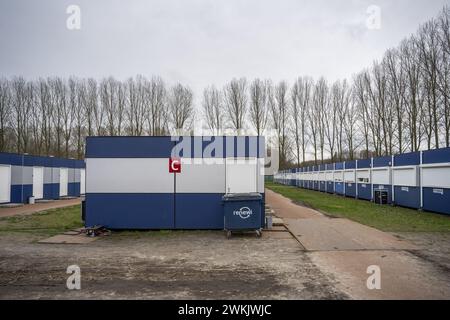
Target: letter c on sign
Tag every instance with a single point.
(174, 165)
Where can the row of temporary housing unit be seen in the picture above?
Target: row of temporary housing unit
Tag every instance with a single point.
(24, 176)
(169, 182)
(418, 180)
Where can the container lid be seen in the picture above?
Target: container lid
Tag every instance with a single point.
(241, 196)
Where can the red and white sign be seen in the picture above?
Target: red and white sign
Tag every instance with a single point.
(174, 165)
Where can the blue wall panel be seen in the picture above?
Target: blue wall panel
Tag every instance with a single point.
(407, 196)
(16, 193)
(339, 187)
(407, 159)
(382, 161)
(433, 200)
(130, 210)
(364, 163)
(350, 190)
(330, 186)
(436, 156)
(365, 191)
(51, 191)
(73, 189)
(198, 211)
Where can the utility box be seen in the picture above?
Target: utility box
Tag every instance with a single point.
(242, 212)
(381, 196)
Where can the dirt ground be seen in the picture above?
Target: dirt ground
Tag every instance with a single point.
(164, 265)
(313, 258)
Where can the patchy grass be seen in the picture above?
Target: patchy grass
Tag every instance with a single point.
(49, 222)
(386, 218)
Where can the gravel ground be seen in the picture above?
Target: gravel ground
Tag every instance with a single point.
(155, 265)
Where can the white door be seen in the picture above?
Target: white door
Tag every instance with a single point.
(38, 182)
(5, 184)
(82, 181)
(63, 179)
(241, 175)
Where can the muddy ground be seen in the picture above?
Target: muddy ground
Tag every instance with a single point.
(160, 265)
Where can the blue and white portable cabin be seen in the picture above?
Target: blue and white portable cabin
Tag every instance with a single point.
(297, 177)
(406, 180)
(309, 178)
(339, 186)
(382, 176)
(302, 178)
(316, 178)
(32, 176)
(322, 178)
(363, 179)
(329, 177)
(350, 178)
(435, 175)
(129, 184)
(293, 177)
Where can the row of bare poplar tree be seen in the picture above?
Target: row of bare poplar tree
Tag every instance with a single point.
(399, 104)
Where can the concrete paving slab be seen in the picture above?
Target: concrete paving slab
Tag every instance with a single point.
(285, 208)
(403, 276)
(69, 239)
(329, 234)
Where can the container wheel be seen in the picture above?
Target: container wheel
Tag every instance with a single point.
(258, 233)
(228, 234)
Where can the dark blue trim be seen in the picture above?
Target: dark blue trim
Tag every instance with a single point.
(382, 162)
(330, 187)
(350, 164)
(436, 156)
(198, 211)
(339, 166)
(407, 159)
(364, 163)
(73, 189)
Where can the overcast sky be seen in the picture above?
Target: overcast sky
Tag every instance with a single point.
(202, 42)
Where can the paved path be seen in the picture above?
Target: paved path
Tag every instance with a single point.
(345, 249)
(37, 207)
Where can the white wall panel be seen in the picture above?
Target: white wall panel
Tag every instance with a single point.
(5, 183)
(63, 181)
(329, 176)
(363, 176)
(82, 181)
(38, 182)
(129, 175)
(201, 178)
(338, 176)
(405, 176)
(241, 175)
(381, 176)
(349, 176)
(436, 177)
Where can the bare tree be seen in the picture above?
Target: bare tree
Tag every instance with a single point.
(235, 97)
(181, 108)
(5, 113)
(278, 102)
(213, 110)
(258, 105)
(300, 102)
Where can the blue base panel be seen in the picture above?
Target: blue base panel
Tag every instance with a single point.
(407, 196)
(330, 187)
(130, 210)
(198, 211)
(51, 191)
(16, 193)
(350, 190)
(339, 188)
(73, 189)
(365, 191)
(437, 200)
